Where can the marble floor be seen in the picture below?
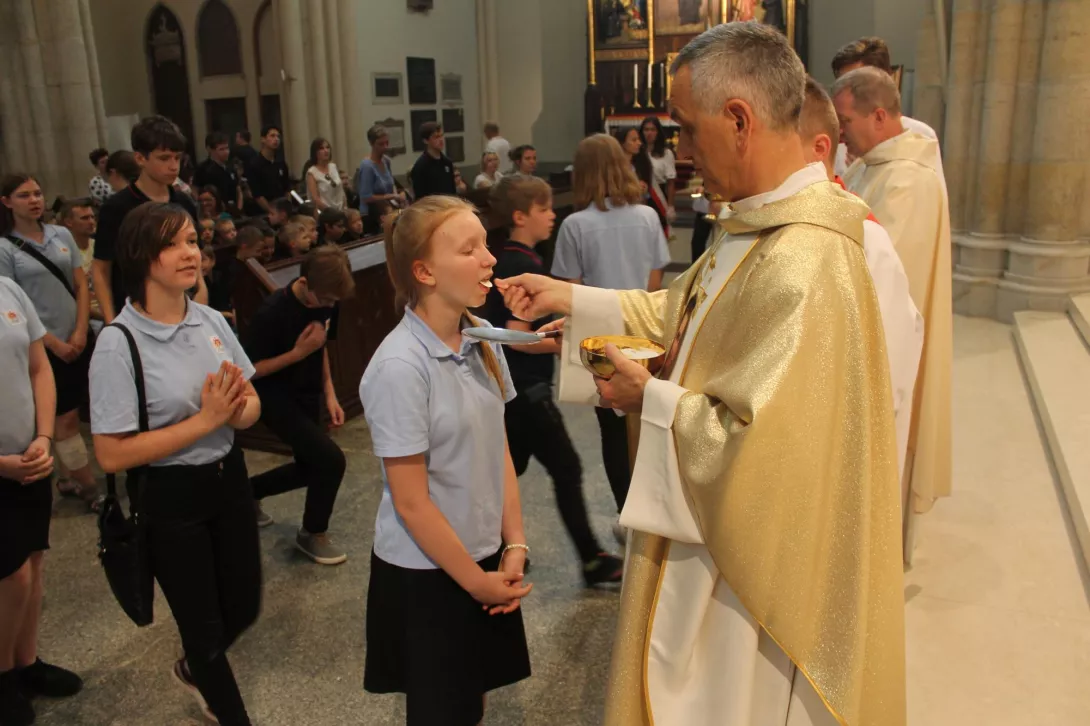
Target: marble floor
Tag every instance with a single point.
(997, 614)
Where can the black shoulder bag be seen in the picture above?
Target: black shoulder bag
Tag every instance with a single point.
(122, 542)
(44, 262)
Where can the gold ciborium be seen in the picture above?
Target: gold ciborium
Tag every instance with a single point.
(592, 351)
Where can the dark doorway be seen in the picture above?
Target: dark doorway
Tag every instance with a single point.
(167, 70)
(225, 114)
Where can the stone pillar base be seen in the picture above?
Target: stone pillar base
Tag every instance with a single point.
(995, 277)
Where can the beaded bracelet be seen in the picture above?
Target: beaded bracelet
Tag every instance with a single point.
(525, 548)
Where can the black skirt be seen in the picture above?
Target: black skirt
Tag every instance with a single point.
(24, 521)
(71, 380)
(429, 639)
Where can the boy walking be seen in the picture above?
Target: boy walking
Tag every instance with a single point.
(534, 424)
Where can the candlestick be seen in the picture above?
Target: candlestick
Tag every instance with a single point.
(662, 83)
(650, 86)
(636, 86)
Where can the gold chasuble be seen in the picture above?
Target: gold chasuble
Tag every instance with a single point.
(779, 502)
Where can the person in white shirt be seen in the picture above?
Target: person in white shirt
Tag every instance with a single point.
(870, 51)
(663, 170)
(490, 171)
(498, 145)
(324, 184)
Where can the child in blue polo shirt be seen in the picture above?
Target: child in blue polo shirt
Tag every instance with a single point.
(443, 619)
(195, 496)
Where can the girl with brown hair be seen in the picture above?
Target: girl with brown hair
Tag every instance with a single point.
(443, 619)
(613, 241)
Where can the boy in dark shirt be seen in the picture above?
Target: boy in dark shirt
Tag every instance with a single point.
(534, 424)
(433, 172)
(286, 343)
(157, 144)
(332, 224)
(268, 175)
(217, 171)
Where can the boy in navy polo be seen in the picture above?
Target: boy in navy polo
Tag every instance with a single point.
(534, 424)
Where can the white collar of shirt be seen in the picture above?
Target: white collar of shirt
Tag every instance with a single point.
(49, 232)
(887, 143)
(807, 176)
(162, 332)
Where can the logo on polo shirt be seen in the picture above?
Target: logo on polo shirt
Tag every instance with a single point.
(12, 317)
(218, 346)
(64, 250)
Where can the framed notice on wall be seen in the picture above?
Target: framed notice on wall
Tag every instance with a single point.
(456, 148)
(395, 132)
(417, 119)
(421, 73)
(454, 120)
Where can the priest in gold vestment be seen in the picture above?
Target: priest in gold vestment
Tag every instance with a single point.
(763, 582)
(899, 175)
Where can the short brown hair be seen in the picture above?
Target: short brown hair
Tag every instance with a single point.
(328, 272)
(517, 193)
(289, 232)
(144, 234)
(869, 51)
(818, 114)
(249, 236)
(603, 171)
(491, 127)
(428, 128)
(69, 206)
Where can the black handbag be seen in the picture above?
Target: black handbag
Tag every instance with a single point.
(122, 541)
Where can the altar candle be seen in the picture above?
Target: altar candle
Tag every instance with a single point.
(636, 78)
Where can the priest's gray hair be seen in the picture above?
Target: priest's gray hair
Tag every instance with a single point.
(749, 61)
(871, 88)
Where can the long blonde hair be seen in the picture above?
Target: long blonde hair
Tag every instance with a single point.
(408, 235)
(603, 171)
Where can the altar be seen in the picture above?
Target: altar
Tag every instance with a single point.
(632, 44)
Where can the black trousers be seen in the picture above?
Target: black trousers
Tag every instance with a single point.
(702, 230)
(202, 538)
(614, 432)
(536, 428)
(319, 463)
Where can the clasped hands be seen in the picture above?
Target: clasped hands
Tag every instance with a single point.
(530, 297)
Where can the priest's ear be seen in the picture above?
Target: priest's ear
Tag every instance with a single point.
(740, 115)
(823, 147)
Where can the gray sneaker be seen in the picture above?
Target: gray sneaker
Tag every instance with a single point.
(319, 548)
(263, 519)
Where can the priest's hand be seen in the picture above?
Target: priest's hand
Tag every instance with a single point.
(624, 391)
(530, 297)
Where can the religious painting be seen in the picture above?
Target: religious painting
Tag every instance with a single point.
(681, 17)
(790, 17)
(621, 22)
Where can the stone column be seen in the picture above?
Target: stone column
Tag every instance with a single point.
(357, 79)
(958, 159)
(316, 15)
(77, 99)
(11, 123)
(336, 86)
(92, 69)
(41, 126)
(293, 98)
(493, 64)
(928, 104)
(1025, 106)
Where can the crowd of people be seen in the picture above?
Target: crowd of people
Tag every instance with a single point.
(799, 303)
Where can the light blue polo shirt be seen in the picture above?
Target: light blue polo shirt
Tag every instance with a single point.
(616, 249)
(176, 359)
(55, 306)
(19, 327)
(420, 397)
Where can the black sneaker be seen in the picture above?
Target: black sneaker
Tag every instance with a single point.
(604, 569)
(43, 679)
(15, 708)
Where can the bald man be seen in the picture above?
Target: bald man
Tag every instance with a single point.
(900, 179)
(901, 321)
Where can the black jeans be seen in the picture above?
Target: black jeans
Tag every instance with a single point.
(536, 428)
(614, 430)
(702, 229)
(319, 463)
(202, 538)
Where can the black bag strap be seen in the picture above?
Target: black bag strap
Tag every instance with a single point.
(44, 262)
(141, 394)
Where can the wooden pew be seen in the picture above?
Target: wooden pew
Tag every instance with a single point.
(363, 322)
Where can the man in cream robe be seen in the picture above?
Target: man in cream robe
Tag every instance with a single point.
(901, 181)
(763, 584)
(901, 321)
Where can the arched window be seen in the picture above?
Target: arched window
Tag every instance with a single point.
(266, 50)
(165, 48)
(218, 44)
